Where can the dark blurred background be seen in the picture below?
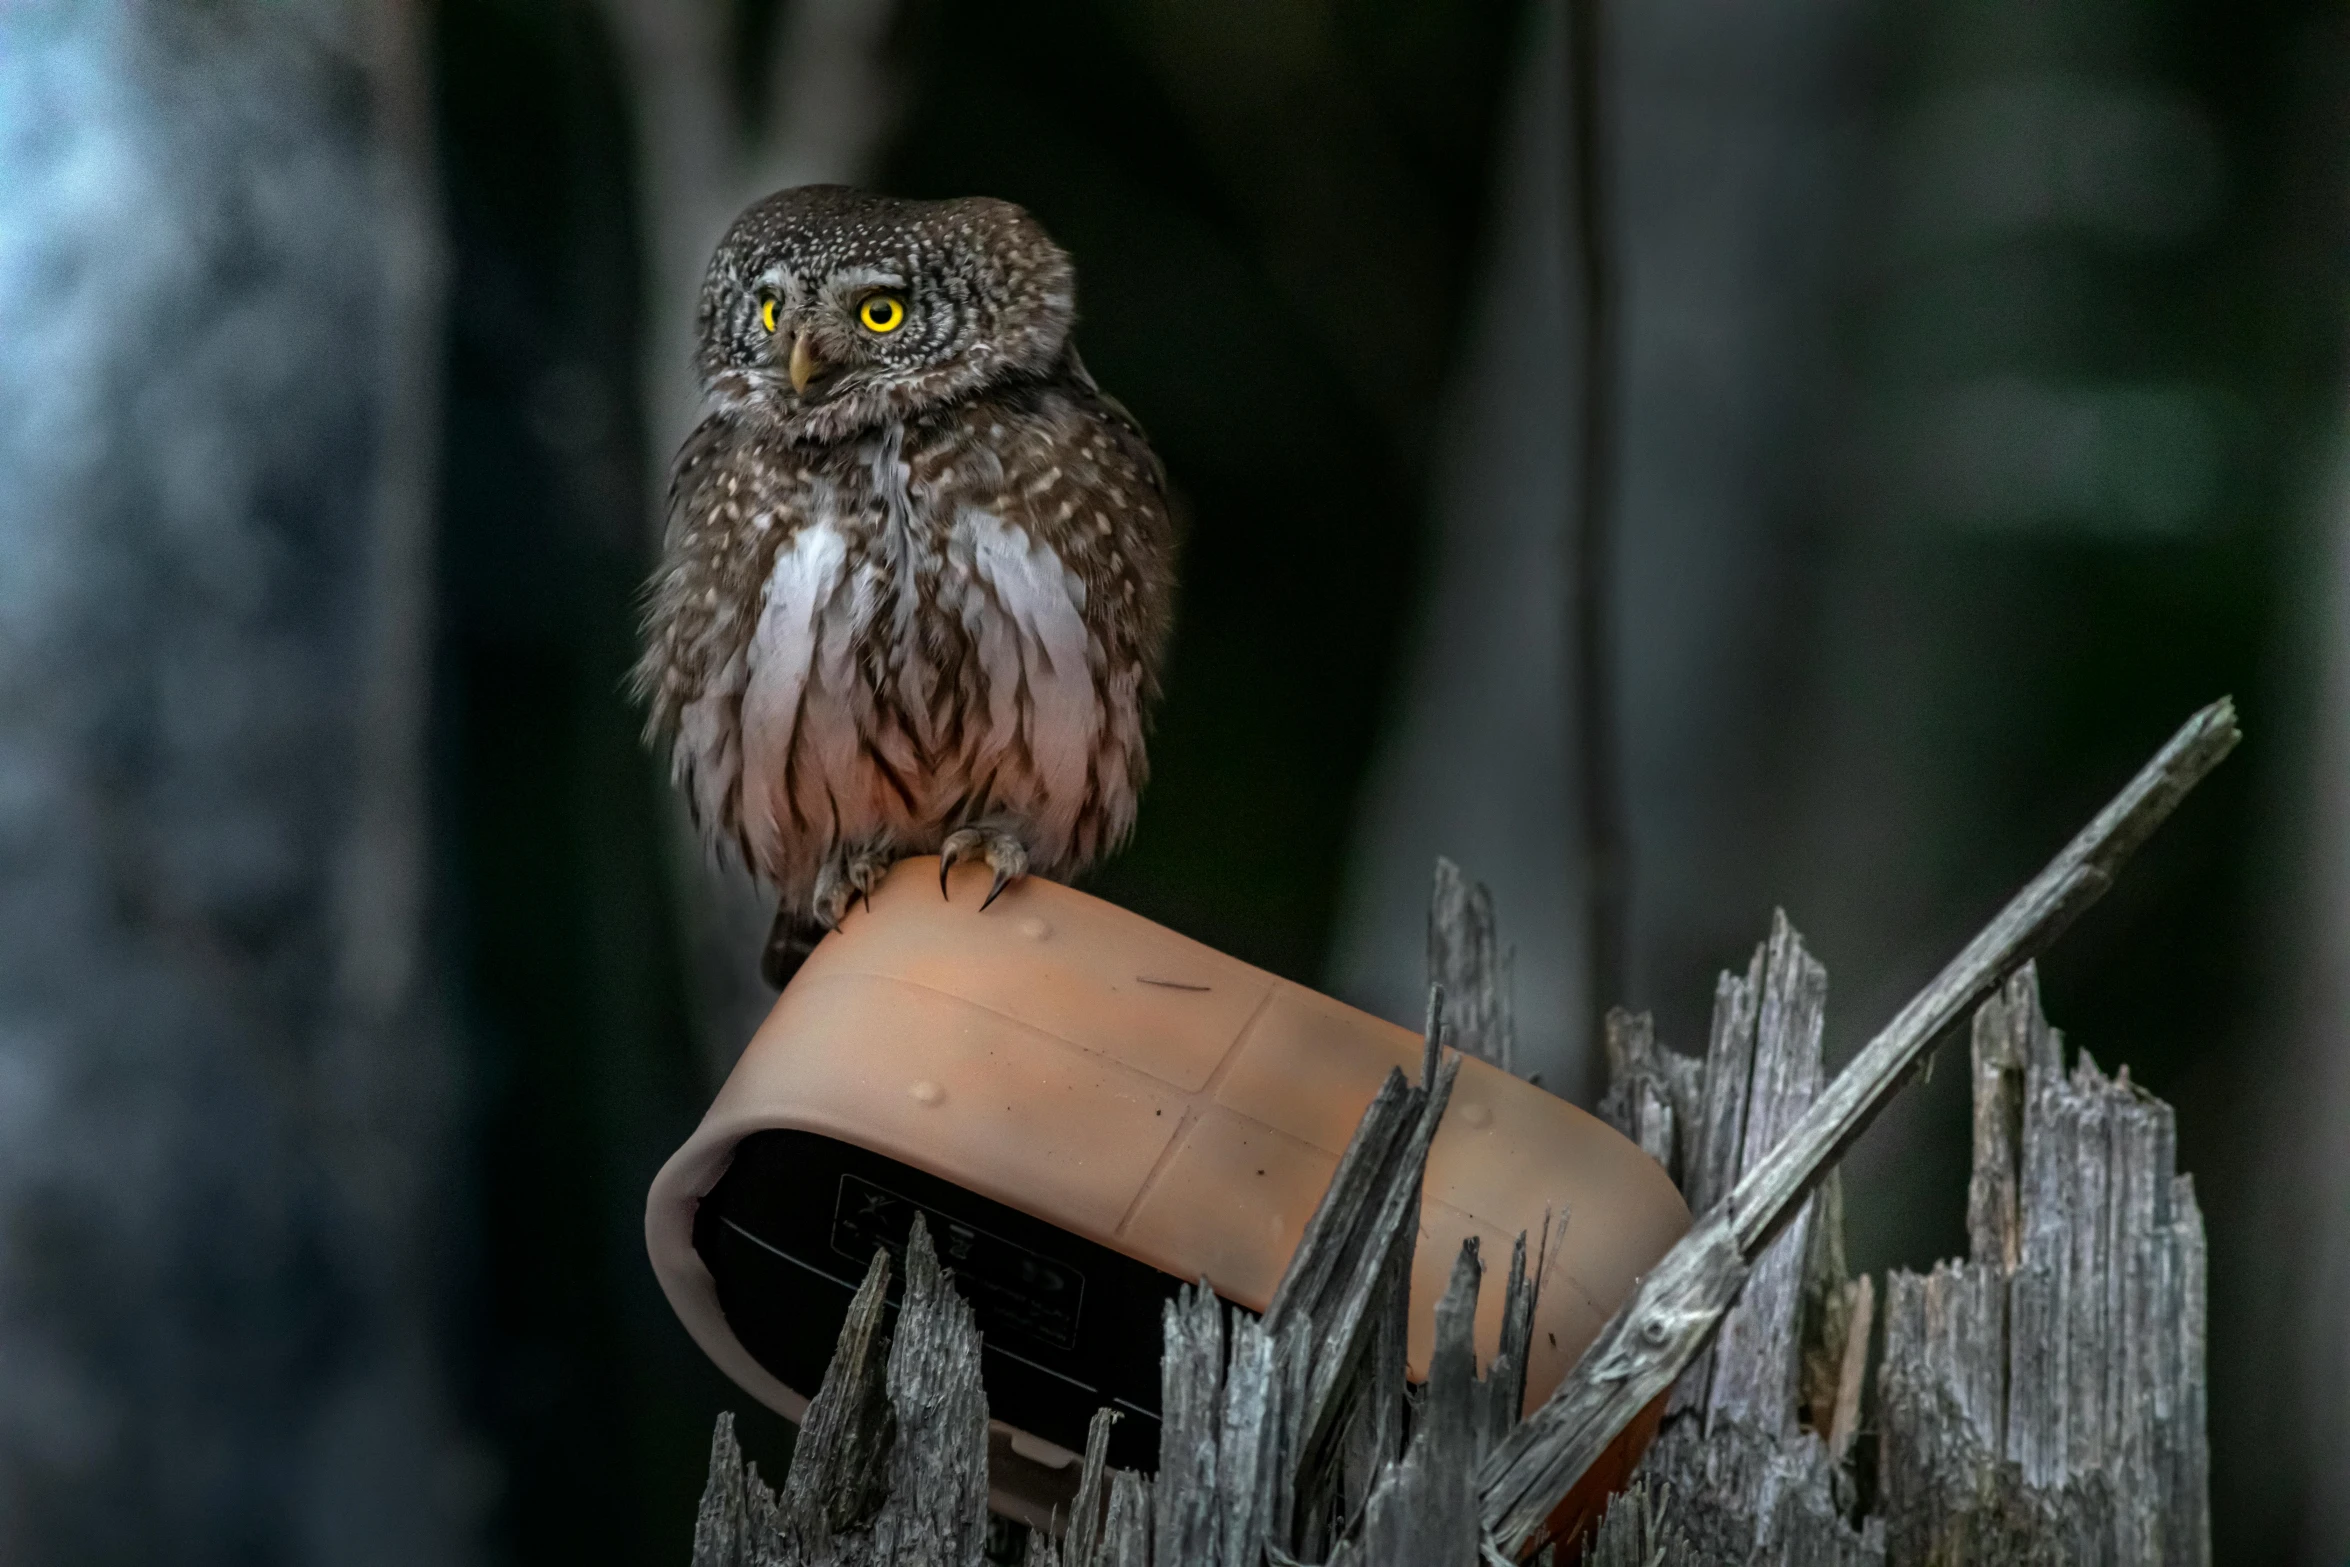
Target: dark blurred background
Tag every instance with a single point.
(1983, 397)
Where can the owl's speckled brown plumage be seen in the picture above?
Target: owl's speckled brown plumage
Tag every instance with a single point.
(916, 583)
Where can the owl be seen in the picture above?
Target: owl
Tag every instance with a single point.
(917, 576)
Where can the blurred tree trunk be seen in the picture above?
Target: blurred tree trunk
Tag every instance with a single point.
(1488, 669)
(225, 1087)
(1730, 283)
(821, 101)
(1955, 463)
(2294, 1417)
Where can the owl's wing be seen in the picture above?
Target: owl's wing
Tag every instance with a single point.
(1078, 556)
(1115, 414)
(1045, 709)
(802, 638)
(732, 510)
(670, 668)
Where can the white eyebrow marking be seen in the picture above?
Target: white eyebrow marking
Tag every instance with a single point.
(865, 277)
(778, 279)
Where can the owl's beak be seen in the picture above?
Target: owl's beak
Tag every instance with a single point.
(805, 366)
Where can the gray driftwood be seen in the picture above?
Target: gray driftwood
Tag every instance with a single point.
(1293, 1438)
(1467, 960)
(1645, 1347)
(891, 1465)
(1748, 1465)
(2039, 1403)
(2042, 1402)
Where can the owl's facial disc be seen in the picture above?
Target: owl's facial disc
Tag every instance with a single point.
(828, 311)
(827, 333)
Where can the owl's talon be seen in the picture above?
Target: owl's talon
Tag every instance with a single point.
(830, 906)
(848, 879)
(1003, 853)
(865, 874)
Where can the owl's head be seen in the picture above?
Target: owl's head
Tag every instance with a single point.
(830, 310)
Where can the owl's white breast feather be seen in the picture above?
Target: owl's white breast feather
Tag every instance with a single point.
(1029, 627)
(841, 741)
(798, 627)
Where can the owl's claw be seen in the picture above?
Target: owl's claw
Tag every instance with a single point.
(1005, 854)
(833, 900)
(865, 874)
(850, 877)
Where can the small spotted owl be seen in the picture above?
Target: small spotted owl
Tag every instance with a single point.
(918, 572)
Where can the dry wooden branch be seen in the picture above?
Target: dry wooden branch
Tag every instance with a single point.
(1677, 1307)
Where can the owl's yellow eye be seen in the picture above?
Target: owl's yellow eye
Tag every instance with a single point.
(882, 313)
(767, 313)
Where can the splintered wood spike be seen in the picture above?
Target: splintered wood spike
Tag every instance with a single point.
(1676, 1308)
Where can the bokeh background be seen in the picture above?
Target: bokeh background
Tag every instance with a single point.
(1983, 397)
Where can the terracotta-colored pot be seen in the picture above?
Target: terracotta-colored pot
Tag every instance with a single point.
(1091, 1109)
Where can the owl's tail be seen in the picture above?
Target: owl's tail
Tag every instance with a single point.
(789, 941)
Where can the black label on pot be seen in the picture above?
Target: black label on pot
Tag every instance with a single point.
(1008, 1286)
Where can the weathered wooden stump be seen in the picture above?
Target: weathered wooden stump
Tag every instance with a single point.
(2041, 1402)
(1752, 1463)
